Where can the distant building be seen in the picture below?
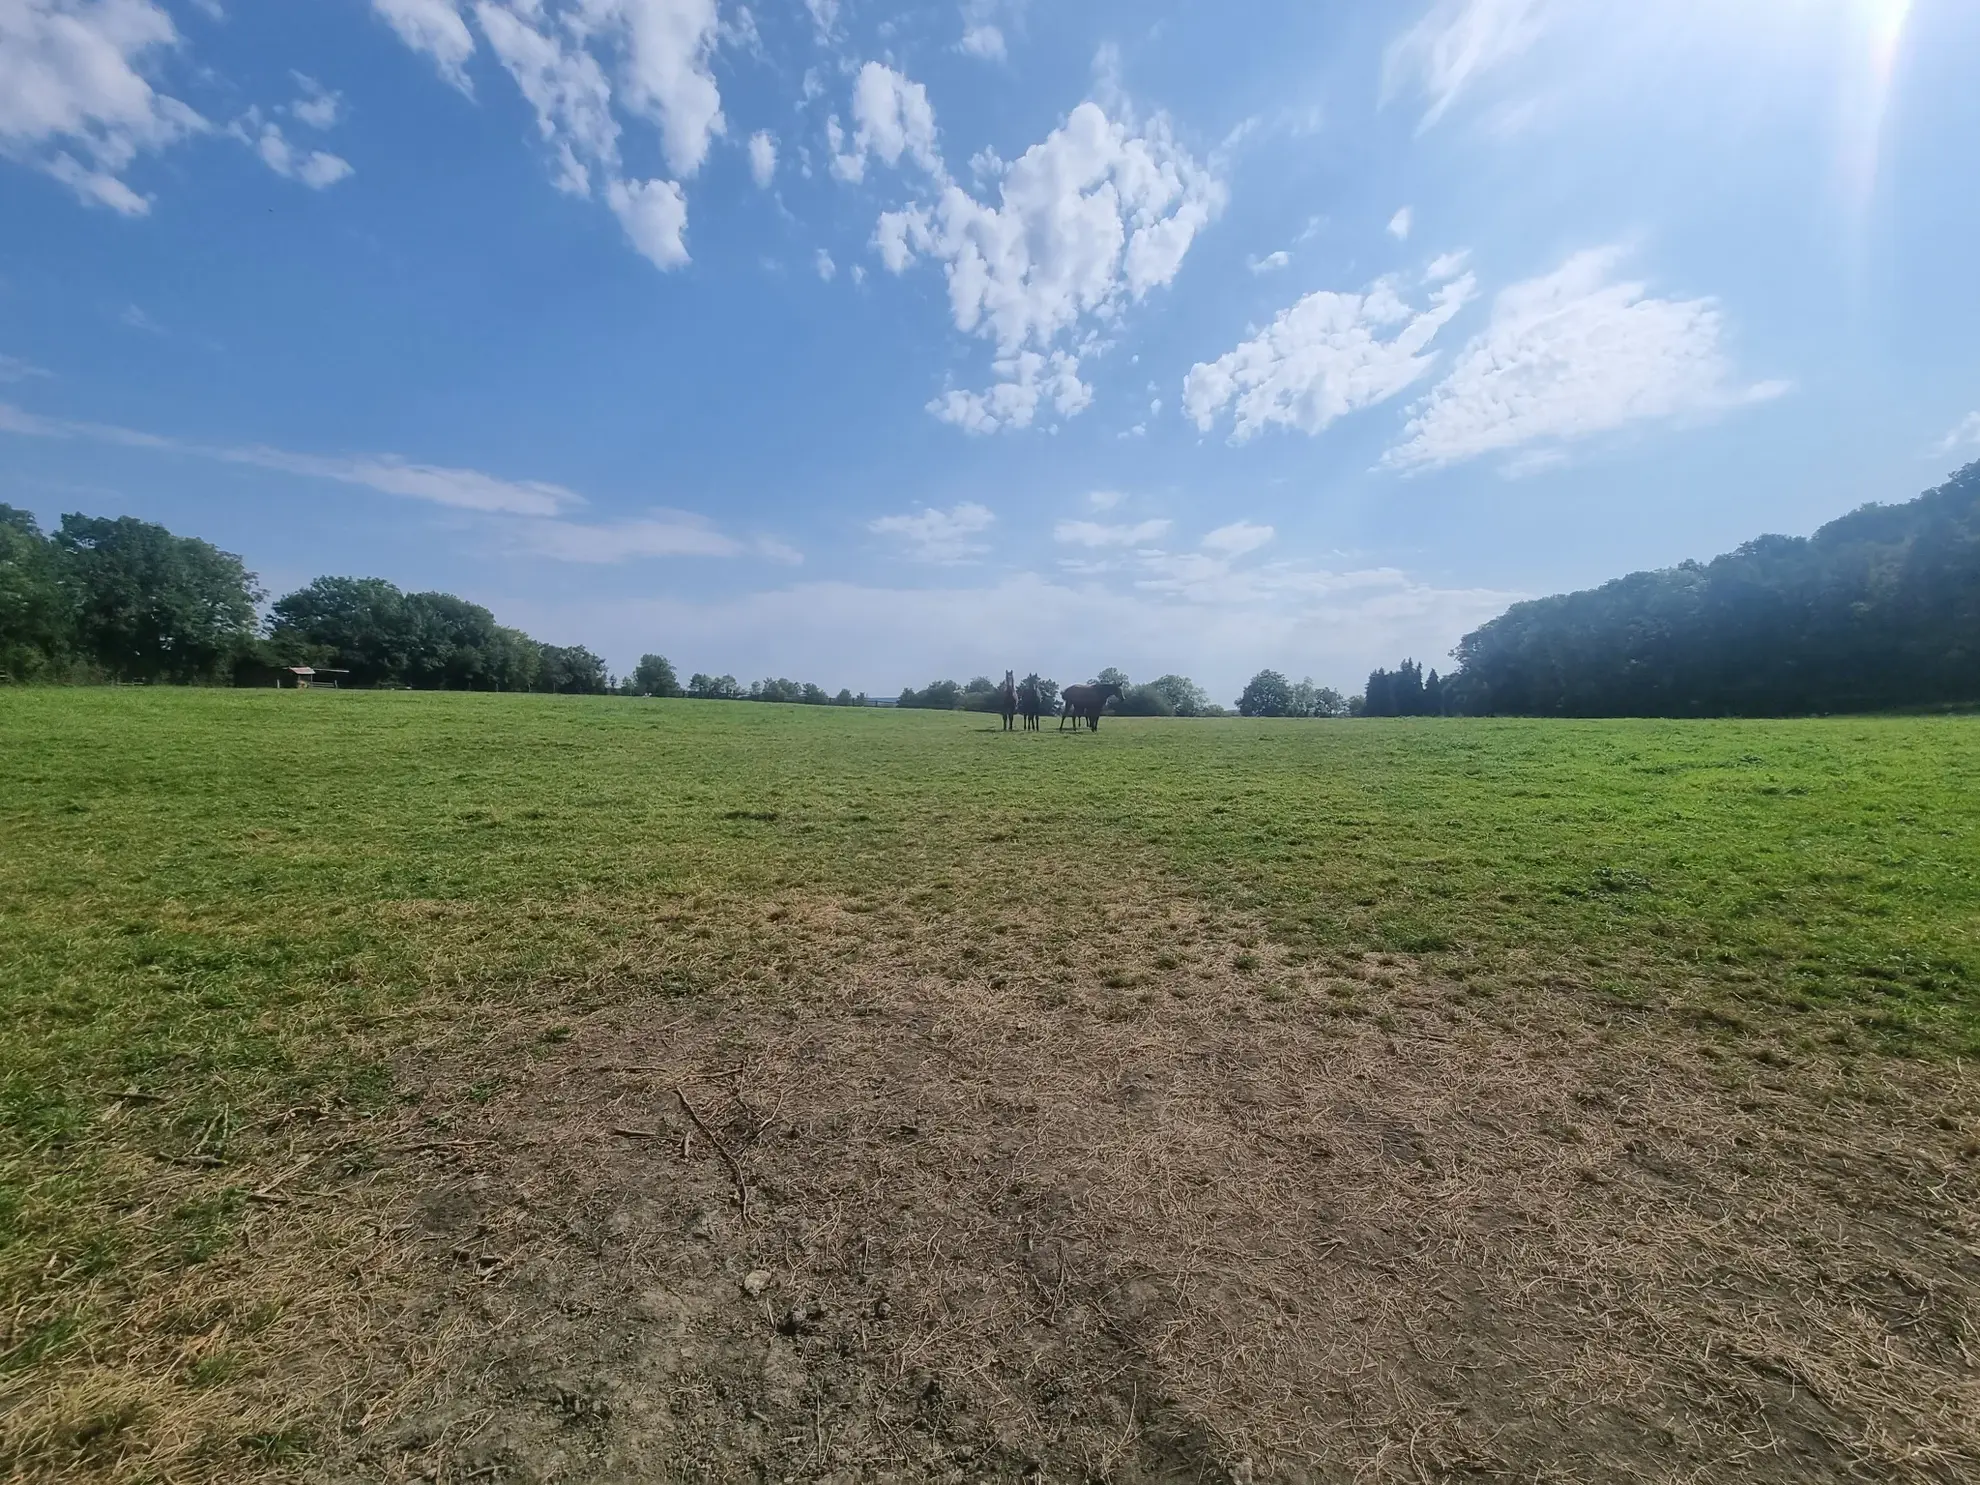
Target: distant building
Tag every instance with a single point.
(883, 701)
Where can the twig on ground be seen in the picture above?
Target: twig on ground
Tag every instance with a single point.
(636, 1134)
(735, 1166)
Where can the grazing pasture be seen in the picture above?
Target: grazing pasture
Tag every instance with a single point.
(404, 1086)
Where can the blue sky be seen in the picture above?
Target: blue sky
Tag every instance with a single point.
(867, 343)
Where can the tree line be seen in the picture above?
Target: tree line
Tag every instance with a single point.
(1879, 609)
(1165, 696)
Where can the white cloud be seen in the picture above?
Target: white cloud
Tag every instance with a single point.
(1399, 225)
(665, 50)
(14, 369)
(1270, 263)
(891, 117)
(1025, 380)
(1323, 358)
(434, 28)
(661, 534)
(316, 169)
(579, 63)
(74, 101)
(824, 19)
(1104, 499)
(1456, 42)
(654, 214)
(944, 536)
(985, 41)
(1088, 222)
(763, 157)
(827, 269)
(1570, 355)
(137, 319)
(533, 515)
(1965, 435)
(1446, 265)
(567, 89)
(319, 107)
(464, 489)
(1238, 538)
(1215, 623)
(1100, 534)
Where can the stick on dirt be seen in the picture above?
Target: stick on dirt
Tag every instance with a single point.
(735, 1166)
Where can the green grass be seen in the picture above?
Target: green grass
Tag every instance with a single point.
(204, 894)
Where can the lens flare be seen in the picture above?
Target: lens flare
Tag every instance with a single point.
(1867, 102)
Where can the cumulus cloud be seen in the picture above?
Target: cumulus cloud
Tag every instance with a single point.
(435, 29)
(318, 106)
(1569, 355)
(1965, 434)
(316, 169)
(1330, 354)
(1087, 222)
(1101, 534)
(763, 157)
(942, 536)
(654, 214)
(1455, 43)
(1025, 382)
(581, 64)
(891, 117)
(74, 101)
(1399, 224)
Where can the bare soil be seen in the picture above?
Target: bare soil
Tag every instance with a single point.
(1214, 1217)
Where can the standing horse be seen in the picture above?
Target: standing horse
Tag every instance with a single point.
(1007, 700)
(1031, 701)
(1086, 703)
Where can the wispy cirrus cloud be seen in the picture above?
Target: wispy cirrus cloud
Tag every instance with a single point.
(1457, 42)
(534, 515)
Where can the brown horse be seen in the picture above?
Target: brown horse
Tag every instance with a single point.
(1086, 703)
(1030, 701)
(1007, 700)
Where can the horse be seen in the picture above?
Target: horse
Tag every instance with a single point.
(1031, 701)
(1007, 700)
(1086, 702)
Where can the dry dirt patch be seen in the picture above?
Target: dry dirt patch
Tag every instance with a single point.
(1196, 1224)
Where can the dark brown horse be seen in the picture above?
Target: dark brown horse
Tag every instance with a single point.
(1007, 700)
(1086, 703)
(1030, 701)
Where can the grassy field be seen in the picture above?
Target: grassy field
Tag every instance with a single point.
(217, 905)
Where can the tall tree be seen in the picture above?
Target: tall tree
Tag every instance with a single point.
(1267, 694)
(653, 676)
(153, 606)
(37, 622)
